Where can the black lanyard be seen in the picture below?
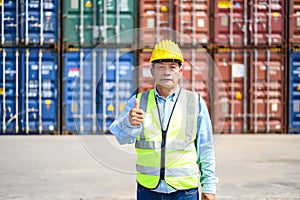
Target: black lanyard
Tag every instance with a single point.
(164, 137)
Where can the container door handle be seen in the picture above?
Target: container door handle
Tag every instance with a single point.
(17, 91)
(4, 88)
(42, 22)
(81, 128)
(2, 25)
(104, 57)
(26, 25)
(117, 82)
(27, 92)
(232, 93)
(94, 72)
(40, 91)
(81, 27)
(117, 27)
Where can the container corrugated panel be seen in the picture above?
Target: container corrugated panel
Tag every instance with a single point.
(117, 84)
(97, 85)
(29, 91)
(196, 72)
(294, 17)
(78, 98)
(87, 23)
(156, 21)
(267, 91)
(39, 22)
(38, 93)
(267, 20)
(231, 90)
(9, 22)
(9, 88)
(231, 22)
(145, 79)
(192, 21)
(294, 93)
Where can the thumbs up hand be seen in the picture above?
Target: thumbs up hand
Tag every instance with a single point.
(136, 115)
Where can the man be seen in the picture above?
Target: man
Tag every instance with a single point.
(172, 132)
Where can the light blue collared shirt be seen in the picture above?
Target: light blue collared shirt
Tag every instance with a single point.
(125, 133)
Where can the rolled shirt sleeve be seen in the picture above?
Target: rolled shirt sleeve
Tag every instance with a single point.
(206, 153)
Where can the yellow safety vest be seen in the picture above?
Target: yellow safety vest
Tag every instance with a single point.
(172, 157)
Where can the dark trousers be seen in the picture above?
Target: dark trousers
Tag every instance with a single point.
(146, 194)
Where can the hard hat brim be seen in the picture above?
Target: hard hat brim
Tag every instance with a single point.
(166, 60)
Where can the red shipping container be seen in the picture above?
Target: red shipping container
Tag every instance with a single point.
(267, 91)
(145, 80)
(196, 72)
(192, 22)
(156, 21)
(230, 25)
(230, 96)
(267, 19)
(294, 21)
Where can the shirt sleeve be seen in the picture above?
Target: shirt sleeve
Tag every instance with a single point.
(205, 149)
(121, 128)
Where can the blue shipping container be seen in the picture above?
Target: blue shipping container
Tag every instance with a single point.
(9, 19)
(29, 91)
(29, 22)
(9, 87)
(294, 93)
(39, 90)
(97, 84)
(39, 21)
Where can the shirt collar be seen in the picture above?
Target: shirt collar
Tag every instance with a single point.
(173, 96)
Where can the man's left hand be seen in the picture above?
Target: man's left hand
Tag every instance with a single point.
(207, 196)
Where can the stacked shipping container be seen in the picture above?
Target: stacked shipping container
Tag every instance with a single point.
(29, 66)
(97, 84)
(28, 90)
(29, 22)
(250, 54)
(98, 42)
(249, 22)
(294, 63)
(98, 72)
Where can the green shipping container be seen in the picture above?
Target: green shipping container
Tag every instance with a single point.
(87, 23)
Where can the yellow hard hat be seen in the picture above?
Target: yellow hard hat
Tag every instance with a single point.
(166, 50)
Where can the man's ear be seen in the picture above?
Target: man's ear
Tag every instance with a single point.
(152, 71)
(181, 69)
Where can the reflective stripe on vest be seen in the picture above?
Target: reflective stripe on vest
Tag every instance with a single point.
(181, 169)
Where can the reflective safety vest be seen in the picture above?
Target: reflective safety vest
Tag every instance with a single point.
(170, 155)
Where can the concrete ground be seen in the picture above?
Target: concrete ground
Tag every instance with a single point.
(258, 167)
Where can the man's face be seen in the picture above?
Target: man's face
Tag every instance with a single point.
(166, 74)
